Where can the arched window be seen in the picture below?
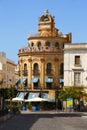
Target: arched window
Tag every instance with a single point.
(32, 44)
(39, 44)
(57, 45)
(49, 68)
(35, 68)
(25, 69)
(63, 46)
(61, 68)
(47, 44)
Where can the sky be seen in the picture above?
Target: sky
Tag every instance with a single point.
(19, 18)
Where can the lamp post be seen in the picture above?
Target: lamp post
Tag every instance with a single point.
(41, 92)
(56, 100)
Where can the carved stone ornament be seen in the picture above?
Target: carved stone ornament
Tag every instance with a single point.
(21, 60)
(56, 59)
(42, 59)
(29, 59)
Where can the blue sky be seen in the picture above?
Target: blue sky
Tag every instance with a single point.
(19, 18)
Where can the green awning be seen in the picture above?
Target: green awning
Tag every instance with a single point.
(23, 80)
(48, 80)
(34, 80)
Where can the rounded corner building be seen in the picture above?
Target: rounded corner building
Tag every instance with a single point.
(41, 62)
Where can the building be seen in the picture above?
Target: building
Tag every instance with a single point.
(7, 71)
(75, 66)
(41, 62)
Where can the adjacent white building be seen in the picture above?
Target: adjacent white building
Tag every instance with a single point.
(75, 65)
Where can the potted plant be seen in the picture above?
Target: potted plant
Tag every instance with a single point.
(29, 106)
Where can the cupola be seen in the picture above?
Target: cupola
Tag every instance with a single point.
(46, 26)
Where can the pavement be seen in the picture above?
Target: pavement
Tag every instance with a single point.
(54, 112)
(9, 115)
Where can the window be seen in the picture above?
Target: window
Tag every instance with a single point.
(77, 76)
(39, 44)
(63, 46)
(61, 68)
(32, 44)
(35, 68)
(57, 45)
(25, 66)
(77, 60)
(49, 68)
(25, 69)
(47, 44)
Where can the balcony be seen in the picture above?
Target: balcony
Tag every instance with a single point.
(36, 72)
(78, 65)
(49, 72)
(25, 72)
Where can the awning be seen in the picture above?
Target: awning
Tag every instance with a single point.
(21, 95)
(34, 80)
(48, 80)
(36, 99)
(33, 95)
(23, 80)
(18, 81)
(48, 97)
(61, 80)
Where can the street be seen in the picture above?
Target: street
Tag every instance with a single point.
(45, 121)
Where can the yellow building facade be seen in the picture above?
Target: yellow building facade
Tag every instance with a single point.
(41, 62)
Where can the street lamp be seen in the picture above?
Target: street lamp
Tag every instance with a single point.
(56, 100)
(41, 92)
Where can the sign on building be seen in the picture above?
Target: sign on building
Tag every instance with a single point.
(51, 95)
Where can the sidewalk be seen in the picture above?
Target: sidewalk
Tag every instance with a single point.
(53, 112)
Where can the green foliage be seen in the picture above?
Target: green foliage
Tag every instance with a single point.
(70, 92)
(19, 106)
(8, 92)
(9, 106)
(29, 106)
(42, 105)
(85, 97)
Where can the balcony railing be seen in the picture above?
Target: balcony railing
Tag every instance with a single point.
(36, 72)
(49, 72)
(25, 72)
(78, 65)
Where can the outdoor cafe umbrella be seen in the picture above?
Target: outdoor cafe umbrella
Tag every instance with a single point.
(36, 99)
(17, 99)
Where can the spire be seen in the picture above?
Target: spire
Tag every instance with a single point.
(46, 11)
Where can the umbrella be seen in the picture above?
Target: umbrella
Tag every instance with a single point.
(17, 99)
(36, 99)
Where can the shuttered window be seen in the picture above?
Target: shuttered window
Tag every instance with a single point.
(77, 60)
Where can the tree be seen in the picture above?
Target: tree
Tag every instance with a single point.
(71, 92)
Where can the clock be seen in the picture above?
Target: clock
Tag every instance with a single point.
(45, 19)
